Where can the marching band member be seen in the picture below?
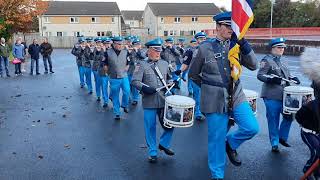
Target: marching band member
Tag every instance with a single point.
(107, 42)
(136, 55)
(117, 62)
(190, 53)
(211, 69)
(272, 93)
(170, 54)
(97, 58)
(76, 51)
(146, 80)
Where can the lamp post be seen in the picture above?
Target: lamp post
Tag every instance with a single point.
(272, 2)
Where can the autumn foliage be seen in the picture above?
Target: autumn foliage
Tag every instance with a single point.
(17, 15)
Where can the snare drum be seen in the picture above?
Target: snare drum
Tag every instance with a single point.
(296, 96)
(252, 97)
(179, 111)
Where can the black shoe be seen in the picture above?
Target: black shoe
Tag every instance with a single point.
(190, 93)
(90, 93)
(110, 99)
(134, 103)
(81, 86)
(1, 75)
(126, 110)
(117, 117)
(216, 179)
(51, 72)
(46, 72)
(233, 155)
(31, 74)
(275, 149)
(200, 118)
(284, 143)
(152, 159)
(105, 106)
(37, 73)
(168, 152)
(8, 75)
(98, 100)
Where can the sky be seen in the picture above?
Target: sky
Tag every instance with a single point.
(140, 4)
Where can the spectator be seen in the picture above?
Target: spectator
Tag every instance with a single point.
(46, 50)
(4, 55)
(18, 52)
(34, 51)
(25, 49)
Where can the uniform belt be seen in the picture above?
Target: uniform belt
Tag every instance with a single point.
(218, 84)
(309, 131)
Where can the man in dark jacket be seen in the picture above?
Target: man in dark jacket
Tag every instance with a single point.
(34, 51)
(4, 55)
(46, 50)
(309, 119)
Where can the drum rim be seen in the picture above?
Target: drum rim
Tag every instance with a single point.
(298, 90)
(188, 105)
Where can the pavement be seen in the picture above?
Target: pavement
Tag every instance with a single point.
(50, 129)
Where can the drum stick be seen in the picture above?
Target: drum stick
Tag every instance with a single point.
(284, 79)
(161, 77)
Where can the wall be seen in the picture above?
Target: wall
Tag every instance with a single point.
(150, 21)
(62, 24)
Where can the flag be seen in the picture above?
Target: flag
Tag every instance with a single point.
(241, 19)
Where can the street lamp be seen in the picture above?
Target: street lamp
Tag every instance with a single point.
(272, 2)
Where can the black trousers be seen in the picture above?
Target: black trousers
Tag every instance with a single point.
(17, 68)
(313, 143)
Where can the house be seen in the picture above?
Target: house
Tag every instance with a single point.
(179, 19)
(132, 18)
(75, 18)
(134, 23)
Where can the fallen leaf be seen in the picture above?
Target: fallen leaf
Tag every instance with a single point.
(64, 116)
(42, 108)
(40, 157)
(67, 146)
(38, 121)
(18, 95)
(14, 153)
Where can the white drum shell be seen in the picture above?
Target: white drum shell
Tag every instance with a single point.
(180, 105)
(252, 97)
(295, 96)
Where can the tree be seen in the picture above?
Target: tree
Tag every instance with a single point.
(18, 15)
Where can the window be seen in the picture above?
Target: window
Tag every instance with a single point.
(165, 33)
(74, 20)
(131, 23)
(113, 20)
(172, 32)
(77, 34)
(161, 20)
(94, 20)
(59, 34)
(177, 20)
(194, 19)
(181, 33)
(109, 33)
(48, 34)
(101, 33)
(193, 32)
(46, 19)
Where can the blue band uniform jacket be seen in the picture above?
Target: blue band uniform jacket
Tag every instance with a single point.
(272, 65)
(205, 70)
(145, 73)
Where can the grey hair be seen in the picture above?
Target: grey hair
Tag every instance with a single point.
(310, 63)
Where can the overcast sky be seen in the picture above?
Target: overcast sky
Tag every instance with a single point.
(140, 4)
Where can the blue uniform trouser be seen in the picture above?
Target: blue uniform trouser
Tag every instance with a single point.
(81, 75)
(87, 75)
(98, 82)
(116, 84)
(274, 109)
(217, 135)
(196, 97)
(105, 88)
(134, 91)
(150, 116)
